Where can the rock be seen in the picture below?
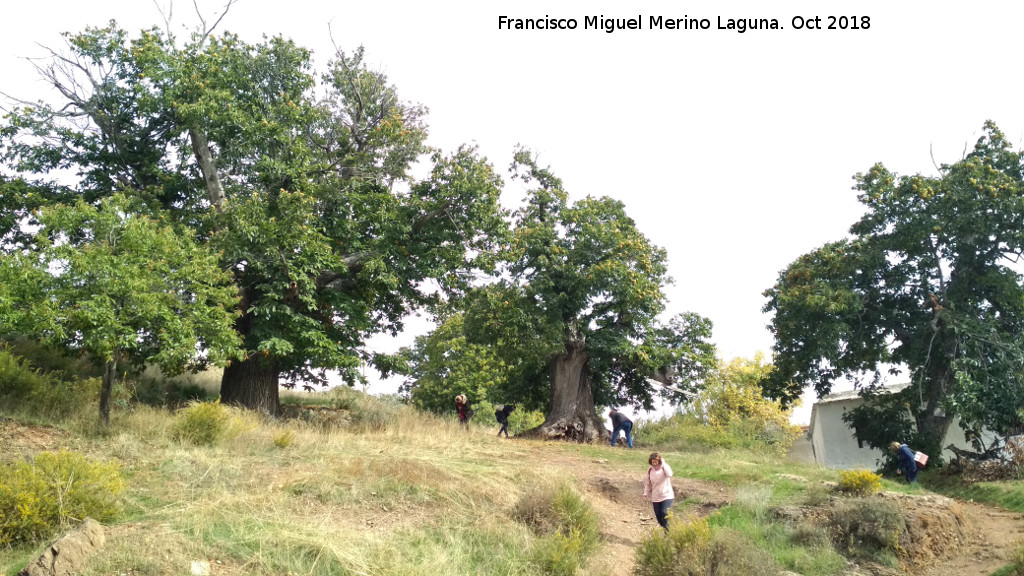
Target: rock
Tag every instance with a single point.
(67, 555)
(200, 568)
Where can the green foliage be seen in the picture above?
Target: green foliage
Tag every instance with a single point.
(688, 432)
(42, 393)
(52, 491)
(124, 288)
(732, 400)
(518, 421)
(885, 416)
(202, 423)
(162, 392)
(567, 523)
(295, 180)
(443, 364)
(51, 360)
(581, 279)
(859, 482)
(916, 288)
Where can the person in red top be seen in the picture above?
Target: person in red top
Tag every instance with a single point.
(658, 487)
(462, 409)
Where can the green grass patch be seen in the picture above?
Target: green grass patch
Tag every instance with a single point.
(1008, 494)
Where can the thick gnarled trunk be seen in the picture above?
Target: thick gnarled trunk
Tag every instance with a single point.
(571, 415)
(251, 383)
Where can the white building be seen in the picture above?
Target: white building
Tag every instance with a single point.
(835, 444)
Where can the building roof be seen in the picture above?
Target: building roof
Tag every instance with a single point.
(847, 395)
(854, 394)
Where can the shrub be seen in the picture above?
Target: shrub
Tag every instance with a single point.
(55, 489)
(810, 535)
(567, 523)
(682, 551)
(53, 361)
(518, 421)
(42, 393)
(732, 553)
(691, 548)
(867, 527)
(859, 482)
(284, 438)
(562, 554)
(201, 423)
(163, 392)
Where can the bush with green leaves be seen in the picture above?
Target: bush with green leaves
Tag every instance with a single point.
(518, 421)
(689, 432)
(693, 548)
(40, 392)
(163, 392)
(202, 423)
(54, 490)
(568, 524)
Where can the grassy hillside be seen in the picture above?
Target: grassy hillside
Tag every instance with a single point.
(385, 490)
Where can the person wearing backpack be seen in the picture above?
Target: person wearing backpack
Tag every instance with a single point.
(501, 414)
(905, 462)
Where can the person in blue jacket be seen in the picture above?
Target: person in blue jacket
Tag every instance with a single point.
(905, 463)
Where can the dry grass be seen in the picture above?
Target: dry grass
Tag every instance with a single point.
(329, 502)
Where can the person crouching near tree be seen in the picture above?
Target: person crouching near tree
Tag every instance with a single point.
(905, 463)
(658, 488)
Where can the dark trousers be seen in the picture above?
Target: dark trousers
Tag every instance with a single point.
(910, 475)
(504, 428)
(661, 512)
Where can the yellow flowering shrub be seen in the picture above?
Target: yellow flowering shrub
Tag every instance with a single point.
(859, 482)
(53, 490)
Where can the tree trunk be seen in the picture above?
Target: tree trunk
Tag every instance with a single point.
(252, 384)
(109, 376)
(571, 415)
(932, 421)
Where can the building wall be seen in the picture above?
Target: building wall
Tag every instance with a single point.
(836, 447)
(834, 442)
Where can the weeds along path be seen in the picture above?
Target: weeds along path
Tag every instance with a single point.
(616, 493)
(617, 496)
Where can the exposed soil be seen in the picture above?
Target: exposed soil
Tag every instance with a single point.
(993, 535)
(944, 537)
(17, 438)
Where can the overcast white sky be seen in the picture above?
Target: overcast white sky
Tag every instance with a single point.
(733, 151)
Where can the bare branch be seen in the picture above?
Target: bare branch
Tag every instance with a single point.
(166, 16)
(209, 30)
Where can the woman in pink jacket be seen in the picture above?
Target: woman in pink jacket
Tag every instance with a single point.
(658, 487)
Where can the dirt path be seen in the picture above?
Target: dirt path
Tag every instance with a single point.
(993, 534)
